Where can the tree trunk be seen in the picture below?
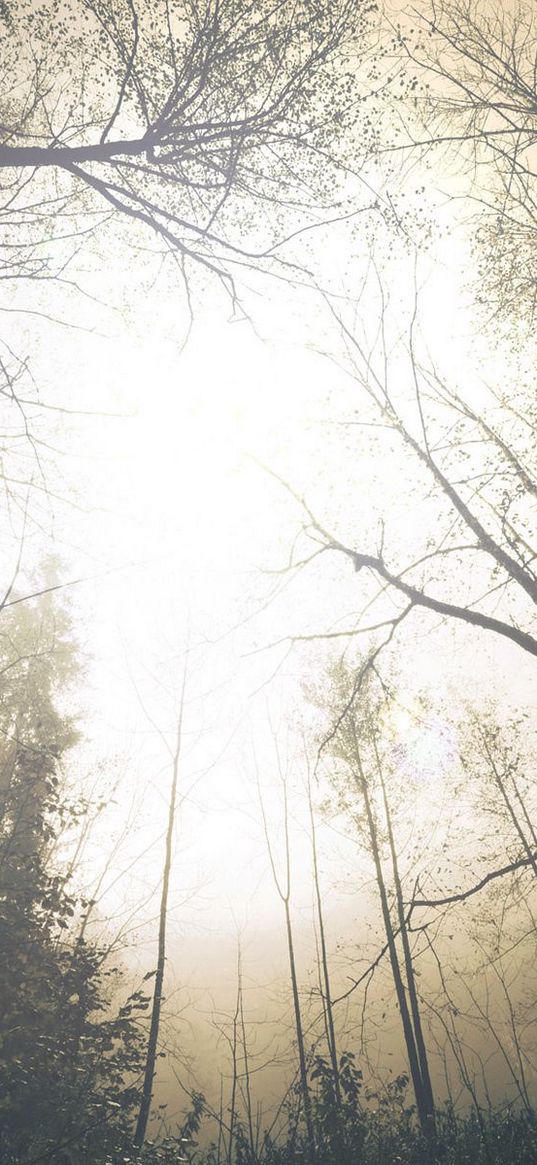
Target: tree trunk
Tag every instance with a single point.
(39, 156)
(327, 998)
(151, 1056)
(408, 1031)
(284, 893)
(409, 966)
(300, 1036)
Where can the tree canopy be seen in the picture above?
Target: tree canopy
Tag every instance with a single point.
(217, 126)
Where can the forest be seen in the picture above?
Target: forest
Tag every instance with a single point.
(268, 812)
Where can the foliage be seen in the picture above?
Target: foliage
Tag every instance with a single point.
(473, 65)
(182, 1145)
(190, 119)
(340, 1128)
(68, 1060)
(385, 1134)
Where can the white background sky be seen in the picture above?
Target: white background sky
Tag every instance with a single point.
(181, 528)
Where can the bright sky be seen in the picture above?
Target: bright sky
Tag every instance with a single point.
(182, 528)
(174, 505)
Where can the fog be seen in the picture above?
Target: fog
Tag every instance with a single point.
(268, 581)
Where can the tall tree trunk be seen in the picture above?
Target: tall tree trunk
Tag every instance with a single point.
(327, 998)
(409, 963)
(151, 1055)
(284, 892)
(234, 1061)
(408, 1031)
(304, 1088)
(247, 1090)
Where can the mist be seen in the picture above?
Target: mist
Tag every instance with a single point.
(267, 803)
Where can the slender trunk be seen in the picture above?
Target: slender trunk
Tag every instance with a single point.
(234, 1064)
(321, 989)
(151, 1055)
(413, 1059)
(409, 965)
(245, 1056)
(284, 893)
(327, 998)
(308, 1116)
(220, 1123)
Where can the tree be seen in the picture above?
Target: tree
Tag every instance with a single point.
(475, 82)
(152, 1040)
(473, 555)
(463, 439)
(193, 120)
(324, 970)
(69, 1058)
(357, 773)
(282, 884)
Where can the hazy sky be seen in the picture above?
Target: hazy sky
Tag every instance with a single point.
(166, 510)
(167, 506)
